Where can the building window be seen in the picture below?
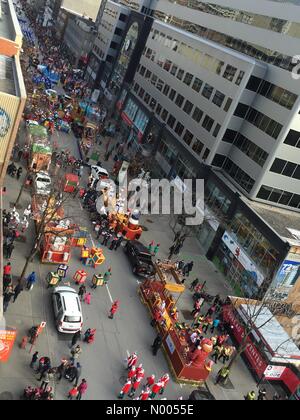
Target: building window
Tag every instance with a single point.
(218, 160)
(188, 137)
(229, 72)
(141, 93)
(253, 83)
(238, 175)
(197, 114)
(278, 166)
(174, 70)
(197, 84)
(148, 74)
(179, 100)
(188, 106)
(241, 110)
(293, 139)
(171, 121)
(167, 65)
(227, 104)
(147, 98)
(188, 79)
(207, 91)
(136, 87)
(158, 109)
(180, 74)
(179, 129)
(164, 115)
(166, 90)
(160, 85)
(218, 99)
(216, 130)
(240, 78)
(206, 154)
(198, 147)
(153, 79)
(153, 103)
(207, 123)
(172, 94)
(142, 70)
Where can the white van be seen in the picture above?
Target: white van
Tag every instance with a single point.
(42, 183)
(67, 310)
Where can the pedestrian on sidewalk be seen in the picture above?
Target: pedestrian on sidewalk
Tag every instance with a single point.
(194, 284)
(7, 296)
(18, 289)
(6, 283)
(8, 249)
(156, 345)
(31, 280)
(82, 292)
(76, 374)
(73, 393)
(222, 375)
(215, 324)
(125, 389)
(19, 173)
(82, 388)
(75, 353)
(211, 310)
(34, 359)
(87, 298)
(61, 369)
(114, 309)
(76, 337)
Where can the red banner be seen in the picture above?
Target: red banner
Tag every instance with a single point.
(7, 340)
(126, 119)
(253, 355)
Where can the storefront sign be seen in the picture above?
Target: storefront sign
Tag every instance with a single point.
(170, 344)
(253, 355)
(7, 340)
(288, 273)
(242, 257)
(274, 372)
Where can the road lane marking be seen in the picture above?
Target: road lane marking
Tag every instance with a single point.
(109, 294)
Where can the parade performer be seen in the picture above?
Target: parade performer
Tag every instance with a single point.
(113, 309)
(132, 360)
(124, 391)
(145, 394)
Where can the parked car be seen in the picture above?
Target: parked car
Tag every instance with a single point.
(98, 172)
(140, 259)
(67, 310)
(42, 183)
(201, 394)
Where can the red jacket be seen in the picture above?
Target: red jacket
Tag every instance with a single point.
(7, 270)
(83, 388)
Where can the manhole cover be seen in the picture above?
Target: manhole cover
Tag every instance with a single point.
(123, 379)
(5, 396)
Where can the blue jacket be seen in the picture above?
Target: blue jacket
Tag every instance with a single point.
(32, 278)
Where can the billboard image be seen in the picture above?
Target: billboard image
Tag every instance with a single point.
(7, 340)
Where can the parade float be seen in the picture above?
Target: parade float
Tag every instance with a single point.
(188, 364)
(92, 256)
(70, 183)
(40, 149)
(127, 225)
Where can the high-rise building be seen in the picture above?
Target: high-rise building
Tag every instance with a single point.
(256, 141)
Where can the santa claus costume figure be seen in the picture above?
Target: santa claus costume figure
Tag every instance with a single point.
(132, 360)
(164, 380)
(125, 390)
(131, 373)
(150, 381)
(156, 389)
(145, 394)
(135, 386)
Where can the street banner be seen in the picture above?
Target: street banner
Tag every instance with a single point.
(7, 340)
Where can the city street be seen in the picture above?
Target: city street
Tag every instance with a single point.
(103, 361)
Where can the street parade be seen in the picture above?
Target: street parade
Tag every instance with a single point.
(115, 304)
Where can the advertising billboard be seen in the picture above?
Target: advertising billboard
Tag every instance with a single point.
(7, 340)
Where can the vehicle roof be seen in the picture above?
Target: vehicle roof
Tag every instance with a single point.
(71, 299)
(140, 247)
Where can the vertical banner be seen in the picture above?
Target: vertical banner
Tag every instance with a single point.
(7, 341)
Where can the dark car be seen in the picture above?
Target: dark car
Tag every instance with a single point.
(201, 394)
(140, 258)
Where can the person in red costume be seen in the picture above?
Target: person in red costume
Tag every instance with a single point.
(198, 357)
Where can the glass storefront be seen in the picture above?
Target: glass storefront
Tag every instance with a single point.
(257, 247)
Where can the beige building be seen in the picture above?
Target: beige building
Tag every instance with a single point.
(88, 8)
(12, 95)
